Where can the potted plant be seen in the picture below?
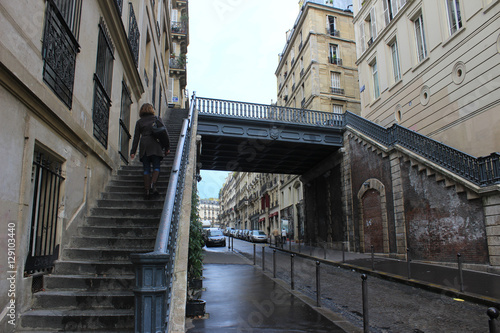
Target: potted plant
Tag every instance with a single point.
(195, 306)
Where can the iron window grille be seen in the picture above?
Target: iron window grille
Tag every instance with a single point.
(46, 181)
(60, 47)
(125, 135)
(133, 35)
(102, 85)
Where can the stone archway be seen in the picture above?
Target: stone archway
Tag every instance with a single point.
(373, 225)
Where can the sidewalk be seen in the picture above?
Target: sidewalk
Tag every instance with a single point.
(240, 298)
(479, 287)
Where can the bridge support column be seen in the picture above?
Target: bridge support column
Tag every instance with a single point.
(150, 291)
(399, 213)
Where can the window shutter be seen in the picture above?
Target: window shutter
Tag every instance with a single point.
(386, 13)
(362, 36)
(373, 23)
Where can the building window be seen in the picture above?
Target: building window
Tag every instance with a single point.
(337, 108)
(331, 24)
(60, 46)
(102, 85)
(420, 38)
(125, 136)
(133, 34)
(335, 83)
(334, 55)
(376, 89)
(454, 18)
(395, 61)
(372, 23)
(46, 178)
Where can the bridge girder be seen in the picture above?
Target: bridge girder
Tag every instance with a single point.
(264, 146)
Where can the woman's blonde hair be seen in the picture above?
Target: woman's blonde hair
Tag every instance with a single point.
(146, 109)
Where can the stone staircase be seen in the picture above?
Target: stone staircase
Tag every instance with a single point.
(90, 289)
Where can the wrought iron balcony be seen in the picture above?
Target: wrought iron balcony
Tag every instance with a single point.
(337, 91)
(370, 42)
(179, 27)
(177, 63)
(335, 61)
(335, 33)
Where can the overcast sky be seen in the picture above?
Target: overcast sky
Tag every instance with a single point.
(233, 54)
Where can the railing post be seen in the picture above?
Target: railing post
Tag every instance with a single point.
(263, 258)
(373, 258)
(460, 275)
(150, 291)
(318, 285)
(343, 252)
(492, 322)
(364, 289)
(408, 262)
(274, 263)
(254, 254)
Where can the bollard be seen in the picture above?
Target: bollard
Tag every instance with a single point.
(274, 263)
(364, 288)
(229, 242)
(373, 259)
(318, 286)
(291, 271)
(232, 243)
(460, 275)
(324, 251)
(263, 257)
(408, 262)
(254, 254)
(343, 252)
(493, 314)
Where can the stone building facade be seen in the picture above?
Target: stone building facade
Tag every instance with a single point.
(73, 76)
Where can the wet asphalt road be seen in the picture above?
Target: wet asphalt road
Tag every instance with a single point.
(242, 299)
(393, 307)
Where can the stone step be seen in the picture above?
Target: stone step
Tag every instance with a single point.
(130, 203)
(114, 242)
(100, 268)
(99, 254)
(76, 320)
(124, 221)
(88, 283)
(84, 300)
(137, 195)
(118, 231)
(135, 189)
(126, 212)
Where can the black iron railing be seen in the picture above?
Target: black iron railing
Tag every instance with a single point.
(482, 171)
(267, 112)
(134, 34)
(154, 270)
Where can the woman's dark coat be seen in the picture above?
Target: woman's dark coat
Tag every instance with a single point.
(148, 145)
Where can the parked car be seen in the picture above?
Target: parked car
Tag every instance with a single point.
(258, 236)
(246, 234)
(214, 237)
(228, 231)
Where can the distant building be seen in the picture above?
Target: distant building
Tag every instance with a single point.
(432, 66)
(317, 68)
(209, 210)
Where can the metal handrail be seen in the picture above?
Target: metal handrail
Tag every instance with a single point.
(171, 198)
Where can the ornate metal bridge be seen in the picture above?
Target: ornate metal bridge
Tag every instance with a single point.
(251, 137)
(238, 136)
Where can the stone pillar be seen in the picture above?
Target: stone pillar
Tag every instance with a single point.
(491, 206)
(151, 286)
(349, 234)
(399, 216)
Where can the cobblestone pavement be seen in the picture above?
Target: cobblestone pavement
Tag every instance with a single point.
(393, 307)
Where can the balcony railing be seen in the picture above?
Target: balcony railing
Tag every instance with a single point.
(335, 61)
(337, 91)
(335, 33)
(177, 63)
(179, 27)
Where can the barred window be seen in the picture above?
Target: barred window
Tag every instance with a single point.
(60, 47)
(102, 84)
